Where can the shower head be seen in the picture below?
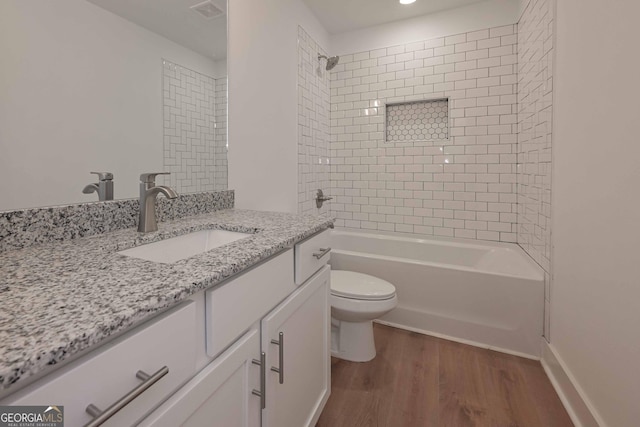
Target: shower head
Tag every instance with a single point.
(332, 61)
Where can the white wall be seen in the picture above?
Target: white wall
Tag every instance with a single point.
(220, 68)
(477, 16)
(263, 123)
(81, 91)
(522, 5)
(595, 311)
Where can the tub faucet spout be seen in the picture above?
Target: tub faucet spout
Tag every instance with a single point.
(148, 193)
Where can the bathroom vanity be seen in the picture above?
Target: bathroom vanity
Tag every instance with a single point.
(236, 336)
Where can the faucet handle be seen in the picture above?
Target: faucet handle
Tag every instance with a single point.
(150, 178)
(103, 176)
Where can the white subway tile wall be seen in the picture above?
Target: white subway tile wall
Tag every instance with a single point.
(418, 121)
(462, 187)
(221, 169)
(535, 109)
(313, 124)
(188, 109)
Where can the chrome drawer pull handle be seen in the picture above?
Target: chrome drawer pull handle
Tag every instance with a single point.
(280, 369)
(263, 380)
(323, 252)
(148, 380)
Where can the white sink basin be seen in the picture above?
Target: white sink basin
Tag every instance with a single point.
(182, 247)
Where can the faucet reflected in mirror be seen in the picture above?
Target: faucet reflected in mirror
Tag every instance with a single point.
(148, 193)
(104, 186)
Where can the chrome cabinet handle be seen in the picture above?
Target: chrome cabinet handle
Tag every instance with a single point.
(280, 369)
(263, 379)
(323, 252)
(148, 380)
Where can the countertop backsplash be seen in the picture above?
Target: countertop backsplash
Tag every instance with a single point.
(27, 227)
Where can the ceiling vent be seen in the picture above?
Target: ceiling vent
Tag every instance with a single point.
(207, 9)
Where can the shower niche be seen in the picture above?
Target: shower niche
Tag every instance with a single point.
(414, 121)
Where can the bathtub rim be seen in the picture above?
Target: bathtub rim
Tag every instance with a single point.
(537, 271)
(441, 239)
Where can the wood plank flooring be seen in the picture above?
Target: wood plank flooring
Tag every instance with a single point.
(422, 381)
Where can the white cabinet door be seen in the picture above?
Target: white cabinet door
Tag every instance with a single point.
(296, 395)
(221, 394)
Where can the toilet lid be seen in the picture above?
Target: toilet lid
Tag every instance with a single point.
(349, 284)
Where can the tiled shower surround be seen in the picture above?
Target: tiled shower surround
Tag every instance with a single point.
(535, 109)
(313, 124)
(461, 187)
(191, 146)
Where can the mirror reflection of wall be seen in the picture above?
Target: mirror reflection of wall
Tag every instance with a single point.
(195, 147)
(82, 90)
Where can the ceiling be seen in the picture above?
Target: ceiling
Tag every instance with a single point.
(338, 16)
(174, 20)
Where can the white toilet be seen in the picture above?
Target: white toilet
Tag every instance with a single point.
(357, 299)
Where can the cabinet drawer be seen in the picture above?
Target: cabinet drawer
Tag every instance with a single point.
(311, 255)
(234, 306)
(107, 374)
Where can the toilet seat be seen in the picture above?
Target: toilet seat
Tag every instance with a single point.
(352, 285)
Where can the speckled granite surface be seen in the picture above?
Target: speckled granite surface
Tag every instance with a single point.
(64, 297)
(26, 227)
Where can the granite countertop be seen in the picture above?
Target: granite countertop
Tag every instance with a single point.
(61, 298)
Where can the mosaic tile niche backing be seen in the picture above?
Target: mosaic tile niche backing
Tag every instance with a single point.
(418, 121)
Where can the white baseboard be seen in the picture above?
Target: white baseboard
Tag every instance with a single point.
(318, 411)
(581, 411)
(454, 339)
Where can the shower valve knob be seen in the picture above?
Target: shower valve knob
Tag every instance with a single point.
(321, 198)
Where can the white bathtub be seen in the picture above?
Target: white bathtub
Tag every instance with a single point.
(481, 293)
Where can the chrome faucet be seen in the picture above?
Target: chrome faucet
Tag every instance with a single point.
(148, 193)
(104, 186)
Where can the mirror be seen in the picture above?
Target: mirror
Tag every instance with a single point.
(116, 86)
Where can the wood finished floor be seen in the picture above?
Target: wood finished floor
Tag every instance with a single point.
(419, 381)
